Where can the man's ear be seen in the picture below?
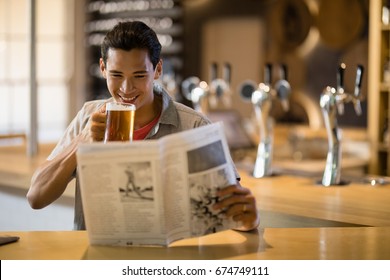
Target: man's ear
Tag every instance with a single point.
(158, 71)
(102, 68)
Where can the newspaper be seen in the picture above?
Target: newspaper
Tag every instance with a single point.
(154, 192)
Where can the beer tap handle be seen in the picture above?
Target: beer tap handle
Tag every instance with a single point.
(227, 72)
(283, 88)
(358, 81)
(268, 74)
(213, 71)
(225, 95)
(357, 92)
(340, 89)
(340, 78)
(283, 72)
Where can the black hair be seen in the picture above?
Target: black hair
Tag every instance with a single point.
(132, 35)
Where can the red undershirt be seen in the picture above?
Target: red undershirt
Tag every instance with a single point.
(140, 134)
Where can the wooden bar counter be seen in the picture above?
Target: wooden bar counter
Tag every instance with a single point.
(347, 243)
(342, 222)
(300, 219)
(353, 204)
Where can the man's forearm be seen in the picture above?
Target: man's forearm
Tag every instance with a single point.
(51, 178)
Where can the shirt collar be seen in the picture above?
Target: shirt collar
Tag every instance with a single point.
(168, 113)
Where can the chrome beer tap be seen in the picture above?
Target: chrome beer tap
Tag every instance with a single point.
(262, 99)
(203, 95)
(219, 91)
(195, 91)
(332, 102)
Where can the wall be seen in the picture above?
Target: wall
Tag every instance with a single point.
(311, 36)
(223, 43)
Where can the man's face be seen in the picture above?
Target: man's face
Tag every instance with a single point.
(130, 76)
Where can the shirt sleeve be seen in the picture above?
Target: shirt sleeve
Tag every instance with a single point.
(76, 126)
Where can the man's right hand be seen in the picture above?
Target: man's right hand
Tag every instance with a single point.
(98, 124)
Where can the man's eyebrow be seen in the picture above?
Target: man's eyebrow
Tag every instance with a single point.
(140, 72)
(115, 71)
(135, 72)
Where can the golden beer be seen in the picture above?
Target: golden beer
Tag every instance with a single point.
(119, 122)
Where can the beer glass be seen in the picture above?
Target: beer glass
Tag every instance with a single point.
(119, 122)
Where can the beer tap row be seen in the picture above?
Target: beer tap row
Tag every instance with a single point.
(206, 97)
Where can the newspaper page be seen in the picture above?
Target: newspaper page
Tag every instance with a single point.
(197, 163)
(154, 192)
(121, 193)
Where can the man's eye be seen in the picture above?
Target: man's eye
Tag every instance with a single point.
(140, 76)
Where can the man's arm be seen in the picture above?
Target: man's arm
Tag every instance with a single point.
(52, 177)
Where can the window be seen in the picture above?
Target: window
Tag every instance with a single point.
(54, 52)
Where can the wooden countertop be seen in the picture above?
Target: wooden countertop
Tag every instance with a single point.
(354, 203)
(347, 243)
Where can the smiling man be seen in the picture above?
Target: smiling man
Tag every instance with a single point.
(130, 62)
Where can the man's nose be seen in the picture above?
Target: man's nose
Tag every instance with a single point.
(126, 86)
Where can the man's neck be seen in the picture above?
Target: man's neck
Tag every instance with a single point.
(148, 113)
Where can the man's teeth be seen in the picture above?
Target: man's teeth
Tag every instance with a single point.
(129, 99)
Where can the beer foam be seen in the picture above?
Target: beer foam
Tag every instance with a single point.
(116, 106)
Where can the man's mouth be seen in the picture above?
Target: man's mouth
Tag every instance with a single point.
(128, 99)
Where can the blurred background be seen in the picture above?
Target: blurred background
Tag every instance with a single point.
(50, 51)
(311, 37)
